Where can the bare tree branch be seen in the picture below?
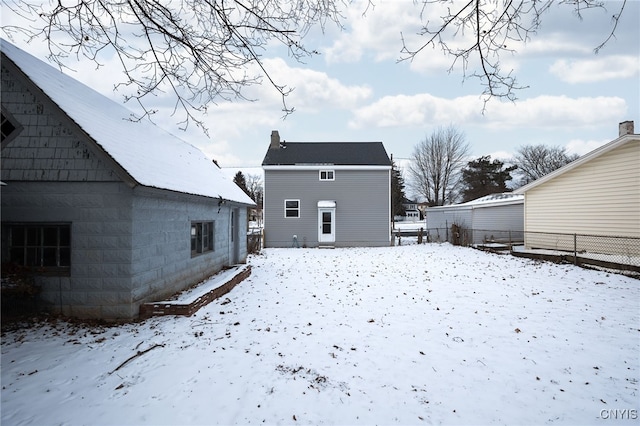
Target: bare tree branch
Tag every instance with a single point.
(200, 52)
(436, 165)
(495, 27)
(535, 161)
(197, 51)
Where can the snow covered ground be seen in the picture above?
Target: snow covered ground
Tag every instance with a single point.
(429, 334)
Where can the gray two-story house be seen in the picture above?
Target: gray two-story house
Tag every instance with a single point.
(106, 213)
(326, 194)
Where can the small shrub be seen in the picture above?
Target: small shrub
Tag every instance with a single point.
(19, 290)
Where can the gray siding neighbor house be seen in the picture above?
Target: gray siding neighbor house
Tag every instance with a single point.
(334, 194)
(495, 216)
(106, 212)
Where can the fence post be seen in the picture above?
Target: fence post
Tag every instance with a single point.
(575, 249)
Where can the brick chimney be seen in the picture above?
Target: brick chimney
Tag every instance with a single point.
(275, 140)
(625, 128)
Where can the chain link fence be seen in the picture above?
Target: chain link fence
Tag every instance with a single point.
(615, 252)
(458, 235)
(599, 250)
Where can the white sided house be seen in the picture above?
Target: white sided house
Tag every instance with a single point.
(107, 213)
(495, 217)
(596, 196)
(326, 194)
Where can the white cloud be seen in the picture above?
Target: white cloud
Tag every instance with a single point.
(314, 90)
(503, 156)
(581, 147)
(416, 110)
(558, 43)
(378, 28)
(557, 112)
(540, 112)
(598, 69)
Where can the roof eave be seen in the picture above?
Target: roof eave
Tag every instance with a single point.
(576, 163)
(324, 167)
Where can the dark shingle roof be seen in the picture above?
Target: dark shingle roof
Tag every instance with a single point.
(335, 153)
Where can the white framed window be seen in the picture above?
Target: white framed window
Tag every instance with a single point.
(201, 237)
(327, 175)
(292, 208)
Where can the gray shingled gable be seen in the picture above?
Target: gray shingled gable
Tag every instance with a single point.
(150, 155)
(334, 153)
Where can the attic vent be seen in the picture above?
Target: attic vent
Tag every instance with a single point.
(10, 127)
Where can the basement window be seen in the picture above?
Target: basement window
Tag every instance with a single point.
(46, 247)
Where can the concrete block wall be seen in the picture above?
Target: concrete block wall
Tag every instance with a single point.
(99, 283)
(161, 247)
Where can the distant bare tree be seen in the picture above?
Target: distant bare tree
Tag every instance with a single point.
(436, 166)
(535, 161)
(254, 185)
(481, 32)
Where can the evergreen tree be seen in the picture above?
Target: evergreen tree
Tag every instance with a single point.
(397, 191)
(483, 177)
(239, 180)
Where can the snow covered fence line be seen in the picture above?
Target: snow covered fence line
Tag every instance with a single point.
(190, 301)
(604, 251)
(615, 253)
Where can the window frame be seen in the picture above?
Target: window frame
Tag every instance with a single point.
(329, 175)
(292, 209)
(38, 248)
(202, 237)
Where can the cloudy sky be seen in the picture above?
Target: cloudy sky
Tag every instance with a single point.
(356, 90)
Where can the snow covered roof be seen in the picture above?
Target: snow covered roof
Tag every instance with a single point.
(329, 204)
(150, 155)
(498, 199)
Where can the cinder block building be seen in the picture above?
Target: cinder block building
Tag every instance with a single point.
(107, 213)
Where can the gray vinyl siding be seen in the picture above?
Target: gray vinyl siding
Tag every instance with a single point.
(362, 207)
(444, 217)
(496, 221)
(486, 222)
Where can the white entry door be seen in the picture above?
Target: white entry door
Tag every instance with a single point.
(326, 225)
